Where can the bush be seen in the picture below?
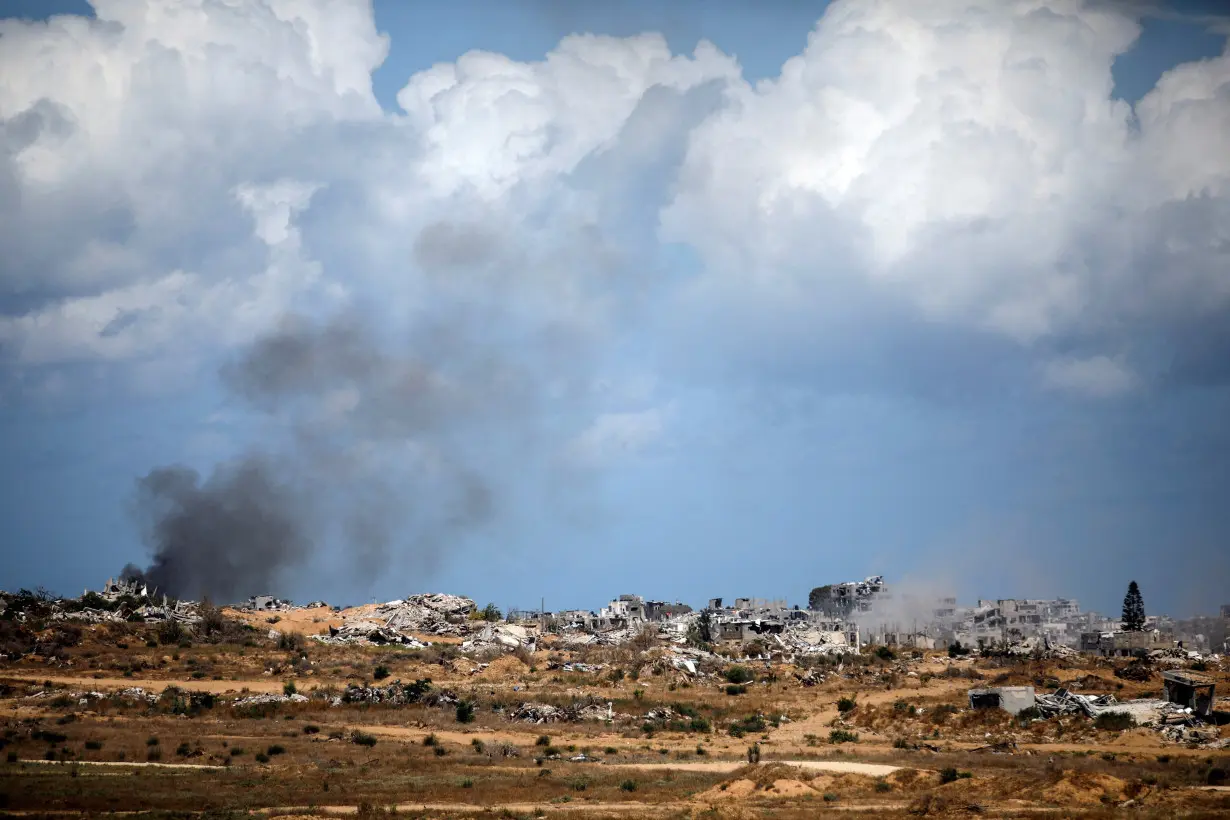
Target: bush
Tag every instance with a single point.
(883, 786)
(289, 688)
(843, 736)
(885, 654)
(93, 745)
(699, 724)
(237, 751)
(363, 739)
(628, 786)
(738, 674)
(311, 729)
(275, 749)
(467, 783)
(170, 631)
(846, 705)
(431, 740)
(465, 712)
(440, 751)
(152, 740)
(261, 757)
(734, 689)
(956, 650)
(543, 740)
(292, 642)
(381, 672)
(749, 725)
(1114, 721)
(951, 775)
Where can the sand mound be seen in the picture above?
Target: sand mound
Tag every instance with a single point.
(1084, 789)
(508, 667)
(730, 790)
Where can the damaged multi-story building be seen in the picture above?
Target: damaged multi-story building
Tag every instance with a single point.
(845, 599)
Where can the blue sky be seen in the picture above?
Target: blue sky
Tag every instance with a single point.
(706, 335)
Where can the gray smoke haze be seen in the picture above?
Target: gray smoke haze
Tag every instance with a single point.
(385, 446)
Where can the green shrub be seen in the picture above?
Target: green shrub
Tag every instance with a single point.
(363, 739)
(381, 672)
(885, 654)
(738, 674)
(93, 745)
(843, 736)
(628, 786)
(261, 757)
(883, 786)
(951, 775)
(289, 688)
(465, 712)
(845, 705)
(152, 740)
(275, 749)
(736, 689)
(543, 740)
(431, 740)
(311, 729)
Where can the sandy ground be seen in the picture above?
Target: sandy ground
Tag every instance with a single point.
(722, 766)
(118, 763)
(218, 687)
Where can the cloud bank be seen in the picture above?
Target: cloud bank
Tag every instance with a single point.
(943, 194)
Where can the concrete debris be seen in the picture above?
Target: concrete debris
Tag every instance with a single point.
(501, 636)
(1146, 712)
(264, 699)
(366, 631)
(1012, 699)
(531, 712)
(267, 603)
(394, 621)
(430, 613)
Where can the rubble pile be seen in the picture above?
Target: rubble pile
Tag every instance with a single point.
(266, 699)
(1034, 646)
(392, 622)
(364, 631)
(394, 694)
(1146, 712)
(433, 613)
(532, 712)
(801, 639)
(501, 636)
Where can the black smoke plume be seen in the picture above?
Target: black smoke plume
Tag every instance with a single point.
(377, 449)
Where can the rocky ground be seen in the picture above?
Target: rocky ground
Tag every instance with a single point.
(248, 713)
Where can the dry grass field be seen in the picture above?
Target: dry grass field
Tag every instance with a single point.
(78, 741)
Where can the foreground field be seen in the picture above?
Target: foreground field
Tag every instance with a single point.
(115, 721)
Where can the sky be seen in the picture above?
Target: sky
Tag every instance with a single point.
(539, 301)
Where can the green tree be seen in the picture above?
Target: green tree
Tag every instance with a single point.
(1133, 609)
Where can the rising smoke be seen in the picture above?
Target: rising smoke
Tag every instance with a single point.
(383, 446)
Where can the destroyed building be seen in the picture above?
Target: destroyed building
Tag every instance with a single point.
(1012, 699)
(845, 599)
(1124, 644)
(1189, 690)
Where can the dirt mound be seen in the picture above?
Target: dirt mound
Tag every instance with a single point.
(506, 668)
(1084, 789)
(770, 780)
